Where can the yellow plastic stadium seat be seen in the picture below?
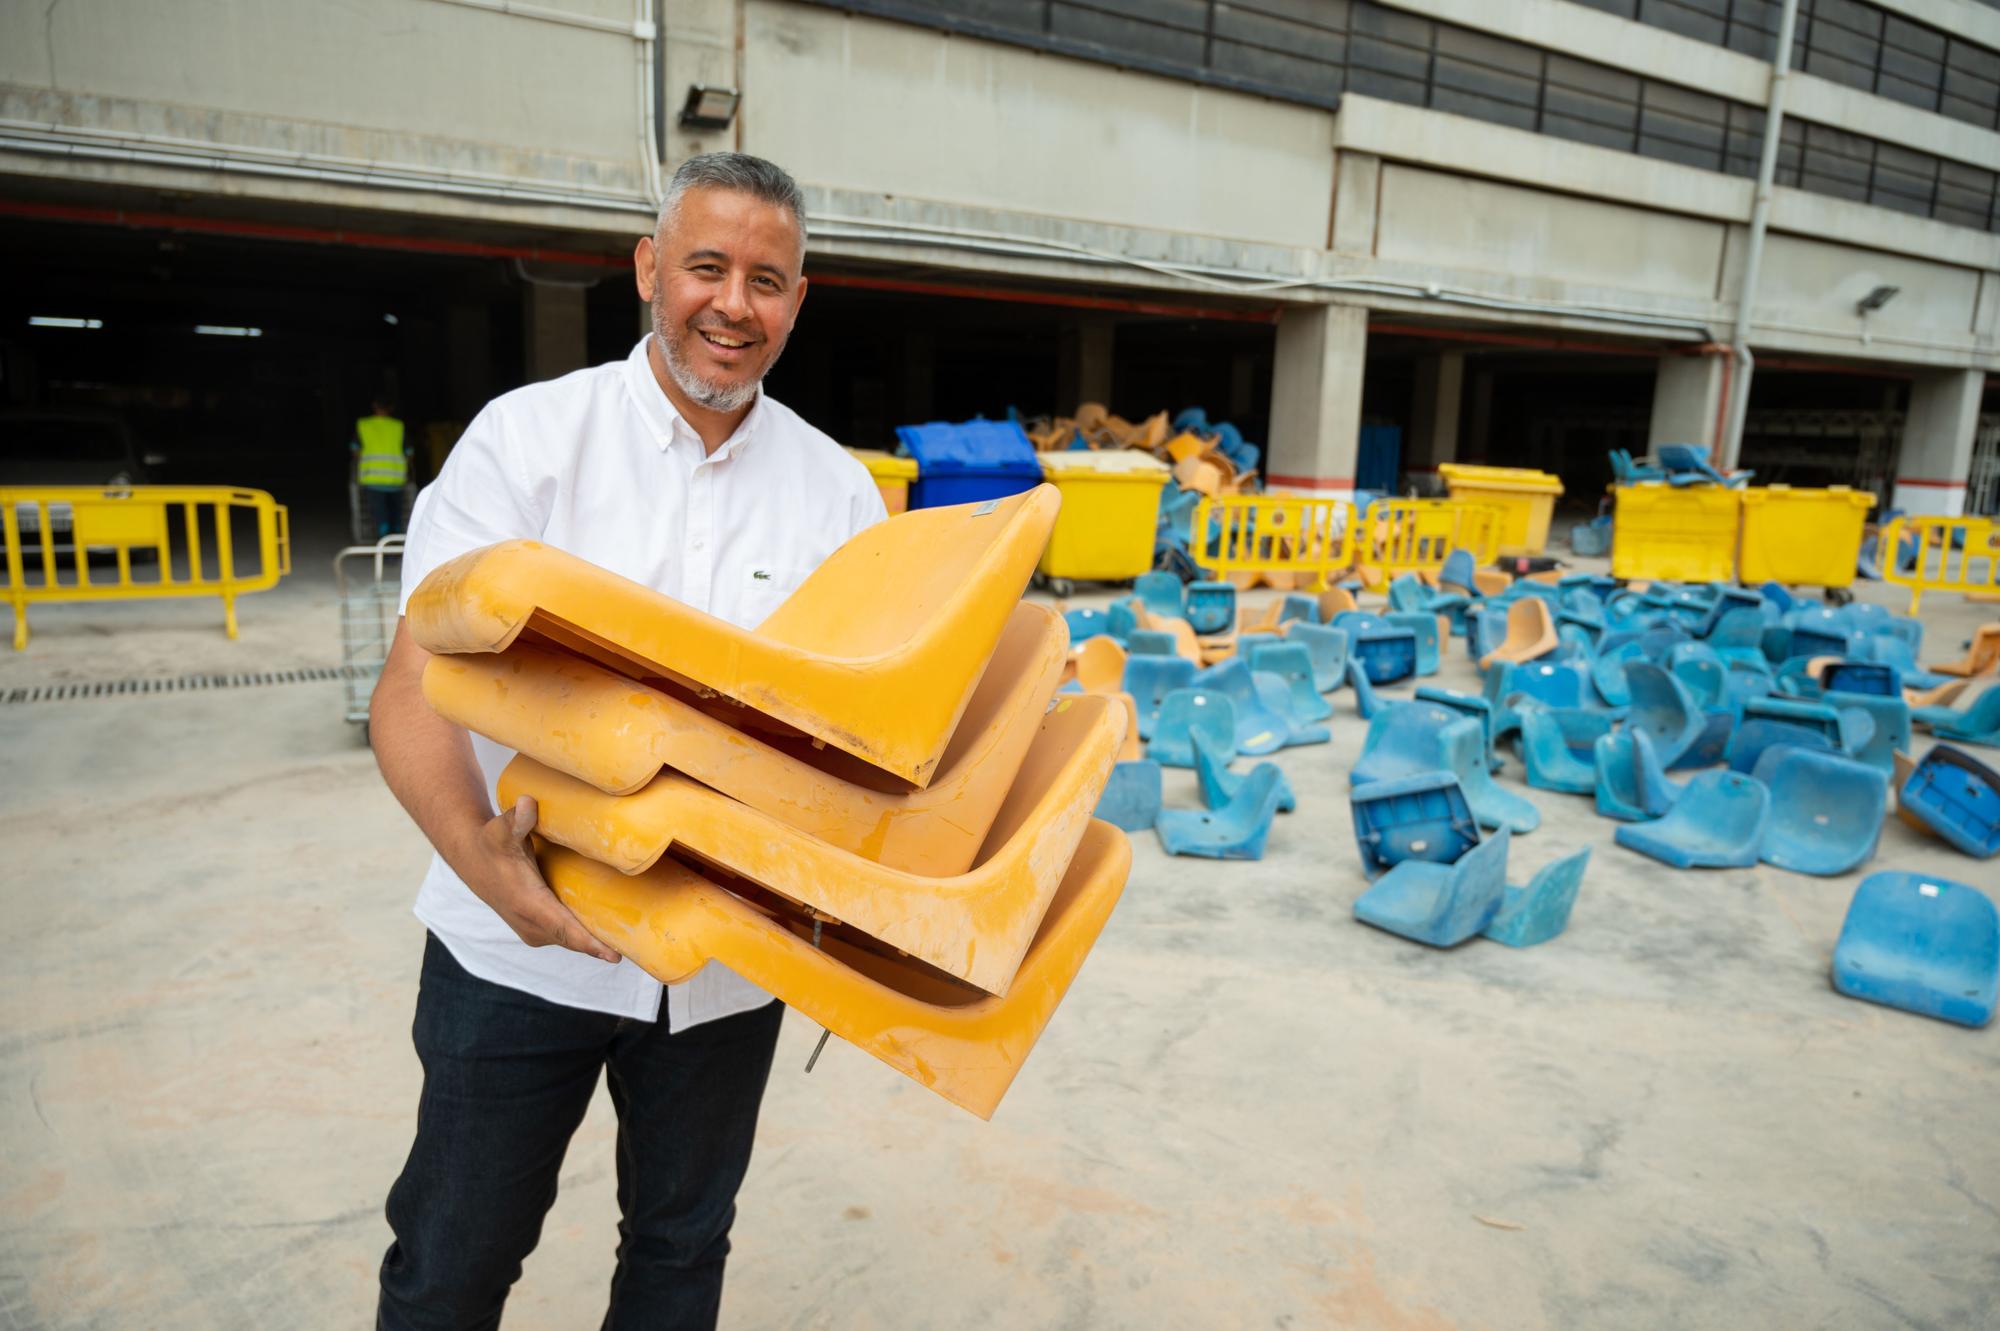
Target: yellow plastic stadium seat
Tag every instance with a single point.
(1531, 632)
(876, 653)
(975, 925)
(1262, 619)
(1947, 692)
(1981, 658)
(604, 729)
(1100, 665)
(1217, 647)
(1491, 581)
(962, 1044)
(1133, 749)
(1186, 642)
(1334, 601)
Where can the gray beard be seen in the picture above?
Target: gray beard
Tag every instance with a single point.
(703, 392)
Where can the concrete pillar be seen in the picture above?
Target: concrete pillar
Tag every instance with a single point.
(1936, 458)
(1687, 398)
(1440, 384)
(1479, 423)
(554, 330)
(1316, 398)
(1083, 373)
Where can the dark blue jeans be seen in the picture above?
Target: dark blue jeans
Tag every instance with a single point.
(507, 1077)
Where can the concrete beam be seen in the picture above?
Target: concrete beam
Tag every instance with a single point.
(1316, 399)
(1936, 457)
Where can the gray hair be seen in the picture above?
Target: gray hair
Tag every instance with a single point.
(766, 181)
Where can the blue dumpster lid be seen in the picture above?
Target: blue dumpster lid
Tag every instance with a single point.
(942, 447)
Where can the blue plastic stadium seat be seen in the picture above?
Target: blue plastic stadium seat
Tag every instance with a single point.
(1149, 679)
(1819, 631)
(1120, 621)
(1365, 704)
(1923, 944)
(1404, 739)
(1465, 704)
(1883, 681)
(1219, 785)
(1550, 683)
(1131, 797)
(1162, 593)
(1439, 904)
(1327, 646)
(1458, 572)
(1183, 712)
(1421, 817)
(1958, 797)
(1711, 746)
(1890, 720)
(1826, 810)
(1291, 662)
(1540, 911)
(1423, 625)
(1718, 822)
(1697, 665)
(1486, 629)
(1464, 750)
(1297, 607)
(1549, 758)
(1150, 642)
(1769, 721)
(1663, 708)
(1387, 652)
(1407, 592)
(1977, 724)
(1211, 606)
(1236, 831)
(1738, 635)
(1607, 672)
(1085, 624)
(1276, 696)
(1262, 723)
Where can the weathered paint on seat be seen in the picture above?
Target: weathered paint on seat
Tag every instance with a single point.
(1211, 607)
(1404, 739)
(1463, 745)
(1160, 593)
(965, 1045)
(1718, 822)
(1293, 663)
(1540, 911)
(973, 925)
(1439, 904)
(1921, 943)
(615, 734)
(1826, 810)
(1664, 709)
(1550, 764)
(886, 687)
(1328, 648)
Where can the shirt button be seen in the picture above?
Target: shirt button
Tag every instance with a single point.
(699, 543)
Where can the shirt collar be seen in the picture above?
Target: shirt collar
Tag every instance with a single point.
(665, 420)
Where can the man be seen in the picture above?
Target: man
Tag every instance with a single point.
(381, 466)
(672, 469)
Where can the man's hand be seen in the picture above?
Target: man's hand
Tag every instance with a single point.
(508, 879)
(428, 764)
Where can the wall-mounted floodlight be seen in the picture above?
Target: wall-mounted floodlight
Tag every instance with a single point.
(228, 330)
(62, 321)
(1876, 299)
(709, 108)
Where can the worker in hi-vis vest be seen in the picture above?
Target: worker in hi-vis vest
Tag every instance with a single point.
(382, 466)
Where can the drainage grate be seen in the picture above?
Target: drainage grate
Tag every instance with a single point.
(116, 688)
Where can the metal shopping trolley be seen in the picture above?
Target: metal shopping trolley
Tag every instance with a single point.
(367, 617)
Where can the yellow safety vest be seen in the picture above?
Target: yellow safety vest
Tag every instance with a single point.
(381, 466)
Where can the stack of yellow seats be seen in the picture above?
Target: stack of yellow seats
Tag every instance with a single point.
(875, 805)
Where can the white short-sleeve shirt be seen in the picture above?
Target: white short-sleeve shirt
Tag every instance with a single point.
(599, 463)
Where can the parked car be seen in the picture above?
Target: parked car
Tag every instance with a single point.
(55, 446)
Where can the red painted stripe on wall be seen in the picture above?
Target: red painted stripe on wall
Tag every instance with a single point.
(1939, 485)
(1312, 482)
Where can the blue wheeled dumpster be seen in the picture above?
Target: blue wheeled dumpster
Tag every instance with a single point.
(968, 462)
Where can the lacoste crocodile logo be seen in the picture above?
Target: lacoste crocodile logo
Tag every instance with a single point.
(760, 575)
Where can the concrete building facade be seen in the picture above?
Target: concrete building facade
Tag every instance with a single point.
(1449, 191)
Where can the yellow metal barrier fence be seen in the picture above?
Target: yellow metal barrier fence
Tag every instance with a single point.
(1401, 535)
(1953, 555)
(1273, 534)
(78, 521)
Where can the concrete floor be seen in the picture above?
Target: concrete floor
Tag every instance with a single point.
(1251, 1111)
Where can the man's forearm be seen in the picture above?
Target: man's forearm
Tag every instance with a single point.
(426, 760)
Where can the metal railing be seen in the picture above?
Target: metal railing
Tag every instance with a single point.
(65, 525)
(1274, 534)
(1405, 535)
(1952, 555)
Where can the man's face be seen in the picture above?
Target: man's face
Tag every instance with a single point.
(724, 284)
